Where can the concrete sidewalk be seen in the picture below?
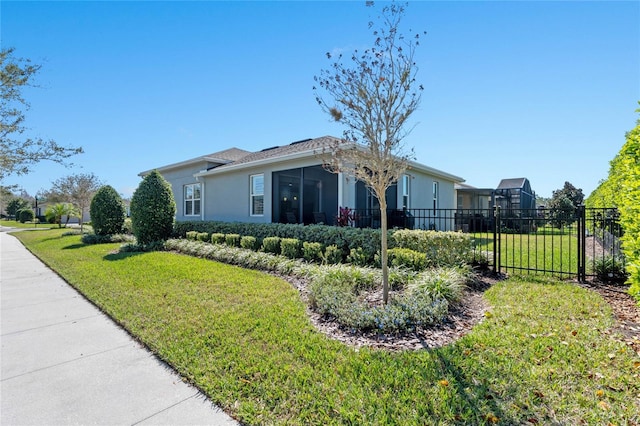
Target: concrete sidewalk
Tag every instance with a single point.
(64, 362)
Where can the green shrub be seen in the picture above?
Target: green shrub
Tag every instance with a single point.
(127, 227)
(290, 247)
(105, 239)
(403, 257)
(345, 238)
(192, 235)
(610, 269)
(440, 248)
(232, 240)
(335, 294)
(441, 283)
(26, 215)
(107, 211)
(136, 247)
(218, 238)
(332, 255)
(312, 252)
(202, 236)
(249, 243)
(359, 257)
(153, 209)
(271, 245)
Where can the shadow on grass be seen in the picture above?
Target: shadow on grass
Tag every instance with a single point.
(115, 256)
(475, 393)
(74, 246)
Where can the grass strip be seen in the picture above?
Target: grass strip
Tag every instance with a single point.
(543, 355)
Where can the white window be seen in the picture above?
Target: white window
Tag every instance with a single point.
(192, 198)
(256, 196)
(435, 196)
(406, 179)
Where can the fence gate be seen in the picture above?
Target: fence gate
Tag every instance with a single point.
(566, 243)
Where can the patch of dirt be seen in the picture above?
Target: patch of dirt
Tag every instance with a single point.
(461, 319)
(625, 309)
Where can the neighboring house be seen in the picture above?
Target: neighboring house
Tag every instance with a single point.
(288, 184)
(473, 204)
(515, 194)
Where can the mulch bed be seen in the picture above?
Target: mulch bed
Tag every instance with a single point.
(467, 314)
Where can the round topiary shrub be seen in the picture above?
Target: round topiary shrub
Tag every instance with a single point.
(107, 212)
(153, 209)
(26, 215)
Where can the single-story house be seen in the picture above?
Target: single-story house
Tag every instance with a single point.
(288, 184)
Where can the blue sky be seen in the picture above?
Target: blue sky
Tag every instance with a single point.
(544, 90)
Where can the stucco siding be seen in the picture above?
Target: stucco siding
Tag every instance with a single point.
(178, 178)
(421, 191)
(227, 194)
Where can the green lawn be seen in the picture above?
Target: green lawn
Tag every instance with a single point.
(543, 355)
(17, 224)
(556, 252)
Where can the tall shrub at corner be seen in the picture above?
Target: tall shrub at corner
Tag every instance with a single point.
(107, 211)
(622, 190)
(153, 209)
(627, 166)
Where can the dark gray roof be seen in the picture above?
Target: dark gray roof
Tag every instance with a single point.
(280, 151)
(512, 183)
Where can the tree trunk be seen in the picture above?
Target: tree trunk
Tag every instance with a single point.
(383, 250)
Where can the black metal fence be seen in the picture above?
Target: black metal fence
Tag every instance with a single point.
(583, 243)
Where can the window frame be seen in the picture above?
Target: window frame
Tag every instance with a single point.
(406, 191)
(253, 196)
(436, 194)
(195, 187)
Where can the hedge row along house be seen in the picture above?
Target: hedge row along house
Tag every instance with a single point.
(288, 184)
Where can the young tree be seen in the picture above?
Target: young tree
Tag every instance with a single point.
(374, 95)
(76, 189)
(55, 213)
(107, 211)
(15, 205)
(17, 153)
(153, 209)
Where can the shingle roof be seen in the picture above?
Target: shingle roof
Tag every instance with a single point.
(284, 150)
(231, 154)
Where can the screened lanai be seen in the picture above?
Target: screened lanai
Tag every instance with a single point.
(305, 195)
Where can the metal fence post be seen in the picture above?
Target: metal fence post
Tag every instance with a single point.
(496, 239)
(582, 249)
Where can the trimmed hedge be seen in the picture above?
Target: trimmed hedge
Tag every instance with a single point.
(621, 189)
(217, 238)
(232, 240)
(26, 215)
(271, 245)
(403, 257)
(345, 238)
(107, 212)
(440, 248)
(354, 245)
(153, 209)
(248, 242)
(290, 247)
